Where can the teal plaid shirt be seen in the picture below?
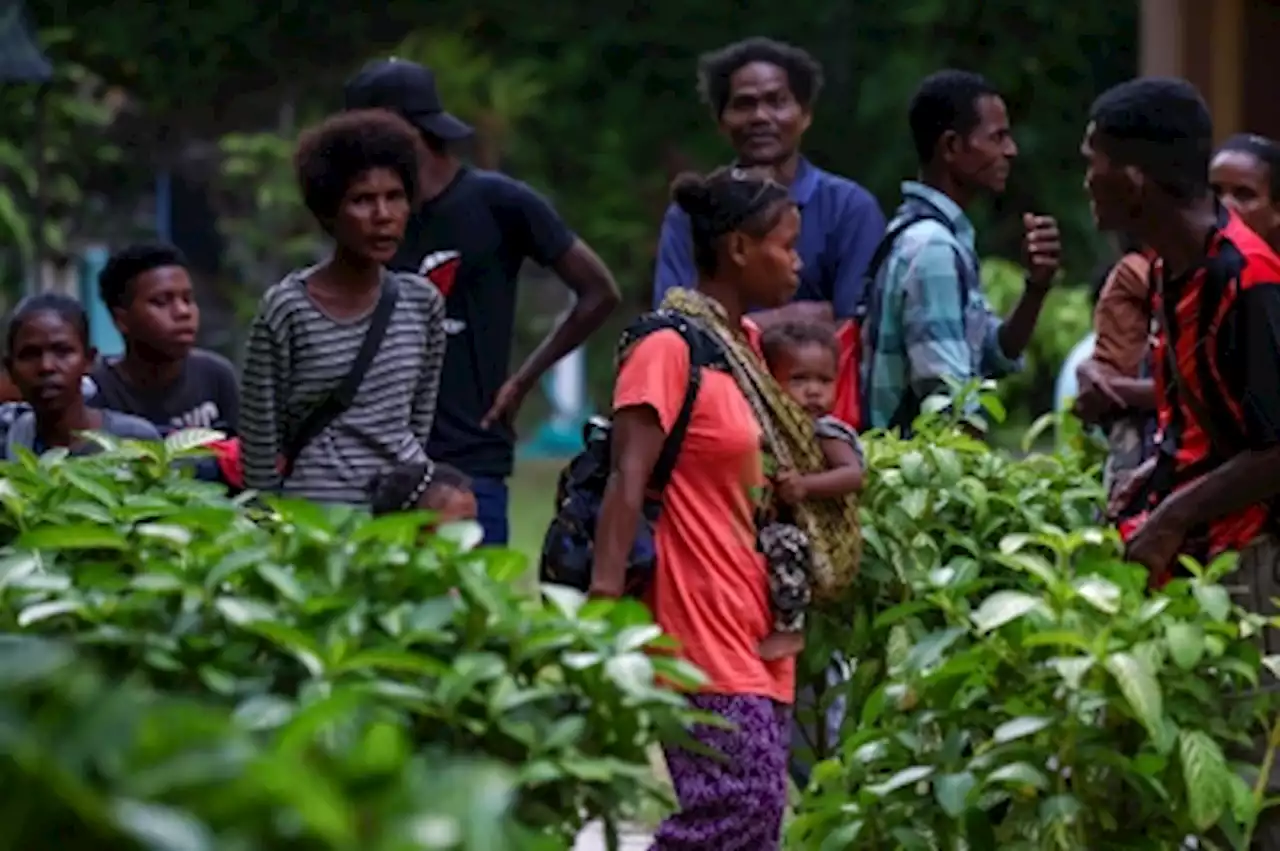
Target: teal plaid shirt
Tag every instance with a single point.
(925, 332)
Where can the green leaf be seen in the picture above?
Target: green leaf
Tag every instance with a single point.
(565, 599)
(1033, 563)
(17, 566)
(1004, 607)
(631, 672)
(293, 641)
(1019, 774)
(183, 441)
(1140, 690)
(241, 611)
(636, 637)
(82, 536)
(1018, 728)
(43, 611)
(928, 651)
(283, 581)
(1206, 776)
(1099, 593)
(1213, 599)
(952, 791)
(175, 535)
(905, 777)
(264, 712)
(161, 828)
(1186, 644)
(1072, 669)
(393, 660)
(156, 583)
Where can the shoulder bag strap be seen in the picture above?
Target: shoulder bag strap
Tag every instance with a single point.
(666, 464)
(340, 398)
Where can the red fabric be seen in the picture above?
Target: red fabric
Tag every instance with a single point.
(848, 407)
(227, 454)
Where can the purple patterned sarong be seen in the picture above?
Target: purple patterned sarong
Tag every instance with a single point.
(734, 804)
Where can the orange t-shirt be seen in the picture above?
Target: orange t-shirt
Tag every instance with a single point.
(710, 591)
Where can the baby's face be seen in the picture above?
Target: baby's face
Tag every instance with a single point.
(808, 373)
(450, 504)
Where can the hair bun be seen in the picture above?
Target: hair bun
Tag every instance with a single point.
(693, 195)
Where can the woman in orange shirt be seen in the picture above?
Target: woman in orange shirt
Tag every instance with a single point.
(710, 590)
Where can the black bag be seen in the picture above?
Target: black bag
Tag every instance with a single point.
(568, 548)
(342, 397)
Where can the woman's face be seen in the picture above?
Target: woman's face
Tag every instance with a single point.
(770, 266)
(1243, 183)
(47, 361)
(371, 219)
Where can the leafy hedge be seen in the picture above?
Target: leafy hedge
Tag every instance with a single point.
(341, 677)
(1014, 683)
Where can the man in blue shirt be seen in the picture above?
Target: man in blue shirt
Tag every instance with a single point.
(762, 94)
(928, 322)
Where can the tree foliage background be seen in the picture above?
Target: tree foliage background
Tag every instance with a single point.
(592, 103)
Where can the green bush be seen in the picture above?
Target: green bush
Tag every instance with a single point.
(1015, 685)
(1066, 318)
(271, 612)
(113, 767)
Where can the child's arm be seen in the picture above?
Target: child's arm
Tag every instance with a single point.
(844, 473)
(843, 476)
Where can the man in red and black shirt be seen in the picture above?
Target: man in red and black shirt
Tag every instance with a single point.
(1217, 298)
(1213, 482)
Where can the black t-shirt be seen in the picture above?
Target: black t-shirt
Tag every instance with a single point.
(470, 241)
(206, 394)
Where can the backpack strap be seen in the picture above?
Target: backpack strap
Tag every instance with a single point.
(867, 313)
(703, 352)
(921, 212)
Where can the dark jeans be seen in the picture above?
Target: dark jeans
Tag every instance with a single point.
(491, 509)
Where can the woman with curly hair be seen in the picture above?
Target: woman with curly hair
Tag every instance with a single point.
(344, 357)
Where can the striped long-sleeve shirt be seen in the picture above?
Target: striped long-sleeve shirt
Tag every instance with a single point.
(298, 353)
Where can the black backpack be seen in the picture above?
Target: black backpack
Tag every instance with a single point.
(568, 548)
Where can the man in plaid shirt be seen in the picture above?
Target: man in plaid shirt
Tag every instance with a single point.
(928, 320)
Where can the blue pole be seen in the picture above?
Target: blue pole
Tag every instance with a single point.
(164, 206)
(102, 329)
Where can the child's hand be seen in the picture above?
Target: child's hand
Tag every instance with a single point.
(790, 487)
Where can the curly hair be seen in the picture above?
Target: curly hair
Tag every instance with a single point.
(334, 154)
(124, 267)
(1161, 125)
(945, 100)
(784, 337)
(715, 69)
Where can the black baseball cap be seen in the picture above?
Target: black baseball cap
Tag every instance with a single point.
(409, 89)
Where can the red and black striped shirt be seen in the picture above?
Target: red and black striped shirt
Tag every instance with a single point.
(1222, 320)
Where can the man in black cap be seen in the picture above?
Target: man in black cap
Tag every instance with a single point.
(470, 236)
